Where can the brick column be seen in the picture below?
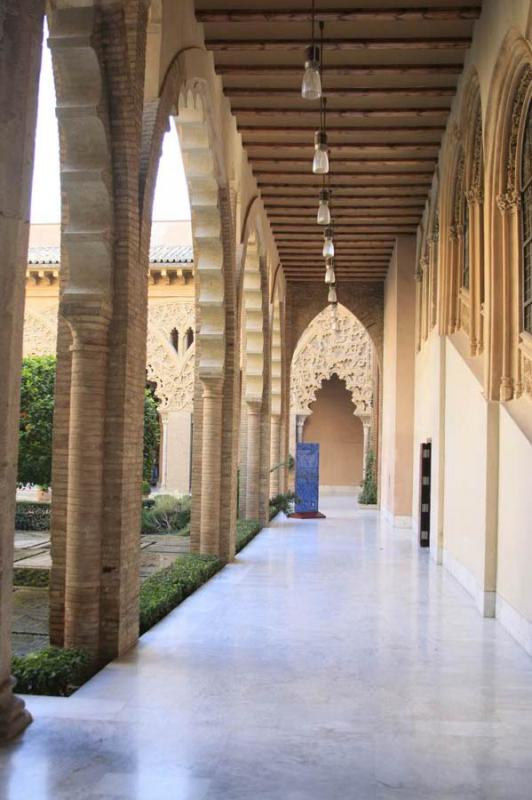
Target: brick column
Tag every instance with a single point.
(253, 458)
(275, 454)
(85, 469)
(211, 459)
(20, 57)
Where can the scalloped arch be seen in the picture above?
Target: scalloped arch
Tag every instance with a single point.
(323, 351)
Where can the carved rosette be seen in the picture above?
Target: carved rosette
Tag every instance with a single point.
(333, 343)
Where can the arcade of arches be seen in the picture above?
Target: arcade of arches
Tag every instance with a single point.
(430, 342)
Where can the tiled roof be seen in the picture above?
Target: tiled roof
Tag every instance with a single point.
(159, 254)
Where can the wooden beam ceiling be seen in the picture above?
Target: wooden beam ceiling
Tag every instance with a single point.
(390, 73)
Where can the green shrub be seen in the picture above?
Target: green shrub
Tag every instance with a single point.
(146, 488)
(282, 502)
(36, 421)
(164, 590)
(246, 530)
(168, 514)
(368, 495)
(50, 671)
(148, 502)
(32, 516)
(31, 576)
(152, 434)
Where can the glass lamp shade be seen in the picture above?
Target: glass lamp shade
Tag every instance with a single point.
(332, 296)
(320, 164)
(329, 275)
(324, 212)
(311, 84)
(328, 244)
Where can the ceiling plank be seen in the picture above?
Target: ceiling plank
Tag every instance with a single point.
(343, 14)
(242, 92)
(336, 147)
(333, 130)
(342, 113)
(218, 44)
(343, 70)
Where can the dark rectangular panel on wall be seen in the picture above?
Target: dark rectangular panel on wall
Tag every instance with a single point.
(424, 493)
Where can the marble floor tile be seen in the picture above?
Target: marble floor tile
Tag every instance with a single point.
(333, 660)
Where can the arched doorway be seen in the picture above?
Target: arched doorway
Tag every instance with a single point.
(333, 425)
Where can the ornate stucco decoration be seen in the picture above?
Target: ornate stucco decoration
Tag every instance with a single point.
(335, 342)
(517, 115)
(40, 331)
(171, 370)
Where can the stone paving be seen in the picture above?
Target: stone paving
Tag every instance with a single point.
(30, 604)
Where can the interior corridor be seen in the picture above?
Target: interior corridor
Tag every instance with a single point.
(332, 660)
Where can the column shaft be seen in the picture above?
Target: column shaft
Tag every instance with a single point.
(85, 466)
(253, 409)
(211, 463)
(275, 476)
(20, 56)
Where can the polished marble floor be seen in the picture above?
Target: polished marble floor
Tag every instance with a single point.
(332, 661)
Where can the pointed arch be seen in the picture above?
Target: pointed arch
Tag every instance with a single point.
(509, 369)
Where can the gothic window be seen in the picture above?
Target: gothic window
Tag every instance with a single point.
(526, 217)
(174, 338)
(189, 338)
(465, 243)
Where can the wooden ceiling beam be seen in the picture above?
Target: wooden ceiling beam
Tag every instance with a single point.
(343, 70)
(343, 14)
(343, 193)
(333, 130)
(345, 161)
(347, 177)
(309, 210)
(342, 147)
(342, 113)
(226, 45)
(243, 92)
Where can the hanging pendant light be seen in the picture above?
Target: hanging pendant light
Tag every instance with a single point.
(329, 271)
(324, 212)
(320, 163)
(332, 296)
(311, 84)
(328, 244)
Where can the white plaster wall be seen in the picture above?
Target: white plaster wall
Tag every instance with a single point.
(389, 383)
(176, 452)
(465, 466)
(514, 557)
(428, 426)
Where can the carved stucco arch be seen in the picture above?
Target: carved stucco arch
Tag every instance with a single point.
(186, 95)
(276, 357)
(323, 351)
(86, 160)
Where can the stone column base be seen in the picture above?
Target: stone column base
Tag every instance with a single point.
(14, 716)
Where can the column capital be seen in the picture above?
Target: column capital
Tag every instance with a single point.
(254, 406)
(212, 385)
